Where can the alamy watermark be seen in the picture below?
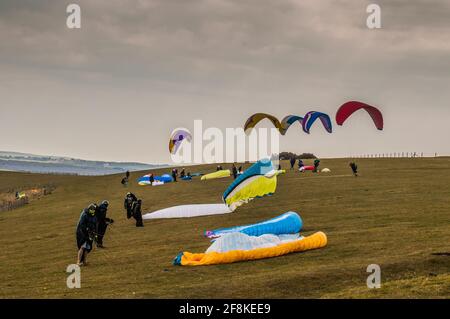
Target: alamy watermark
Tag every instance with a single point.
(374, 279)
(74, 278)
(374, 19)
(73, 20)
(213, 145)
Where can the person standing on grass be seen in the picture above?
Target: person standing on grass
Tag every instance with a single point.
(354, 168)
(300, 164)
(234, 170)
(174, 174)
(128, 203)
(292, 161)
(151, 178)
(86, 233)
(137, 212)
(102, 222)
(316, 165)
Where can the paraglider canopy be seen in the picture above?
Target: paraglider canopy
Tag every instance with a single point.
(312, 116)
(256, 118)
(351, 107)
(177, 137)
(288, 121)
(282, 126)
(258, 180)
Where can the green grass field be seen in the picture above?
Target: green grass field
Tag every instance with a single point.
(396, 214)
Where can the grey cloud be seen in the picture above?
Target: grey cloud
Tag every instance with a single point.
(230, 56)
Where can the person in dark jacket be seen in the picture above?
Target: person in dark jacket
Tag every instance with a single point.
(102, 222)
(128, 203)
(234, 171)
(151, 178)
(300, 164)
(292, 162)
(316, 165)
(354, 168)
(137, 213)
(86, 232)
(182, 173)
(174, 174)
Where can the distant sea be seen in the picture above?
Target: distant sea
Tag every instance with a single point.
(22, 162)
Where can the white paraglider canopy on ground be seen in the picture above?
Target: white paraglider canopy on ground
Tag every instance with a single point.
(241, 241)
(184, 211)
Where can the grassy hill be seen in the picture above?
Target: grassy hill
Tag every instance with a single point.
(396, 214)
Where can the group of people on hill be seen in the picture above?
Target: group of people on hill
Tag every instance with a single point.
(293, 160)
(91, 227)
(93, 222)
(133, 206)
(301, 164)
(182, 174)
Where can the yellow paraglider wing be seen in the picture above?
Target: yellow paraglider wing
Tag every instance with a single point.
(253, 187)
(314, 241)
(256, 118)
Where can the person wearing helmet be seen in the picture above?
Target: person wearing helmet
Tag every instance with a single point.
(128, 203)
(316, 165)
(86, 232)
(102, 222)
(300, 164)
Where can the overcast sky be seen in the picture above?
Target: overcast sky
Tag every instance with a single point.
(115, 89)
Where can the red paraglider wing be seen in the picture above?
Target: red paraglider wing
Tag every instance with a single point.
(350, 107)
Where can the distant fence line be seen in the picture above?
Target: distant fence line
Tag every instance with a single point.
(13, 203)
(394, 155)
(10, 205)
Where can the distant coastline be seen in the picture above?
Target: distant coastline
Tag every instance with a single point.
(23, 162)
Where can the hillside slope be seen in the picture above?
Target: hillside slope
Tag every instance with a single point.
(396, 214)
